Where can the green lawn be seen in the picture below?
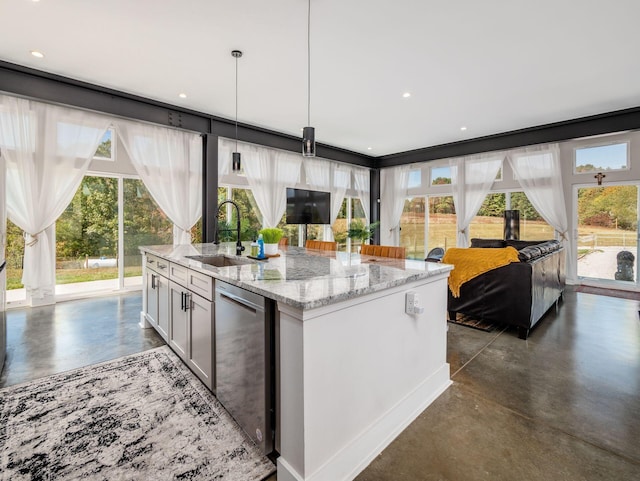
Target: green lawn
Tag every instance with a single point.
(71, 276)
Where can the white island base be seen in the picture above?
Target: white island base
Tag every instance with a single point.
(354, 374)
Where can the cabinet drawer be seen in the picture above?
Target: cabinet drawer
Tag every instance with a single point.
(157, 265)
(201, 284)
(178, 273)
(151, 262)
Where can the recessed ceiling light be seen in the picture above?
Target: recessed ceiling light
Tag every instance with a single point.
(368, 148)
(182, 95)
(37, 54)
(463, 128)
(406, 95)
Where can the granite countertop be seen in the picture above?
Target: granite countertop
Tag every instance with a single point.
(304, 278)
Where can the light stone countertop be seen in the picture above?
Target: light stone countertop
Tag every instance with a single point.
(304, 278)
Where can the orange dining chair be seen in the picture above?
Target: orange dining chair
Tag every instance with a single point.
(284, 241)
(321, 245)
(394, 252)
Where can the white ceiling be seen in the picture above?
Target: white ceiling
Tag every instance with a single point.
(492, 65)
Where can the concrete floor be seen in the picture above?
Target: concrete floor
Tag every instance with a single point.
(563, 405)
(50, 339)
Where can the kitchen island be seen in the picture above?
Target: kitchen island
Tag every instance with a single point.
(354, 368)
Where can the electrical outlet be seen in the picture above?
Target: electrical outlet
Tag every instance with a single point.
(412, 304)
(409, 302)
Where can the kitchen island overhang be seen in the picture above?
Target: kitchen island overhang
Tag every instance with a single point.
(354, 368)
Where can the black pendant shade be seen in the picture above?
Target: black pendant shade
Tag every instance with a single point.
(236, 165)
(308, 142)
(235, 157)
(308, 133)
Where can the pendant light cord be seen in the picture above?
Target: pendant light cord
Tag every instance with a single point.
(236, 104)
(309, 64)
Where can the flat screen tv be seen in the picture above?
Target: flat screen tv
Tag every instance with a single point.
(308, 206)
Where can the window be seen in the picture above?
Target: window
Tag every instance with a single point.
(14, 258)
(489, 221)
(87, 235)
(440, 175)
(105, 150)
(442, 227)
(341, 225)
(350, 211)
(415, 178)
(601, 158)
(412, 228)
(250, 219)
(144, 224)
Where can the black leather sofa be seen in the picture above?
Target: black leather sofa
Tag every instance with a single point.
(518, 294)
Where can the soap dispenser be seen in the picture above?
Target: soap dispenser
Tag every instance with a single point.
(260, 247)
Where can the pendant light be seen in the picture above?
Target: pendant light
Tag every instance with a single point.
(308, 133)
(235, 157)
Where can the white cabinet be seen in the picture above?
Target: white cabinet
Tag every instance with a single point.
(179, 332)
(191, 333)
(179, 305)
(201, 346)
(156, 287)
(162, 287)
(152, 297)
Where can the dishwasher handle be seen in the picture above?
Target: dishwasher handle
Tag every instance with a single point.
(239, 300)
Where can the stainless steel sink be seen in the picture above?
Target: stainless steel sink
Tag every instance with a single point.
(221, 260)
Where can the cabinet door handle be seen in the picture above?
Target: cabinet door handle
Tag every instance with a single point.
(187, 301)
(153, 281)
(149, 261)
(182, 301)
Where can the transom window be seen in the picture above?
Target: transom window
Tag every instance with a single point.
(602, 157)
(105, 150)
(440, 175)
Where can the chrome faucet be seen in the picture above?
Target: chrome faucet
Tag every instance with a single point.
(239, 246)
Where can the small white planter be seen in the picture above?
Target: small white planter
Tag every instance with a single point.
(270, 249)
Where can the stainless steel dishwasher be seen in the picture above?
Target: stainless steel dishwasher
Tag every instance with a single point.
(244, 364)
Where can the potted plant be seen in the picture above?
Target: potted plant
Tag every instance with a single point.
(361, 232)
(271, 236)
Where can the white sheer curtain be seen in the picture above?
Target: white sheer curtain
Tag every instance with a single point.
(471, 181)
(322, 174)
(537, 169)
(47, 150)
(393, 192)
(269, 172)
(361, 181)
(225, 149)
(169, 162)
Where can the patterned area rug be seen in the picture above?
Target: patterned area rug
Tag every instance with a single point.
(464, 320)
(142, 417)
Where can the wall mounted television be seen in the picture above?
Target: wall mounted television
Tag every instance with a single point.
(308, 206)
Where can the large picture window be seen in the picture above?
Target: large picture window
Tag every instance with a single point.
(489, 221)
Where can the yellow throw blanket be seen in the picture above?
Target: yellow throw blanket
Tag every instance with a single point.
(471, 262)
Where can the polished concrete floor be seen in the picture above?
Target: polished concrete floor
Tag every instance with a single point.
(50, 339)
(563, 405)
